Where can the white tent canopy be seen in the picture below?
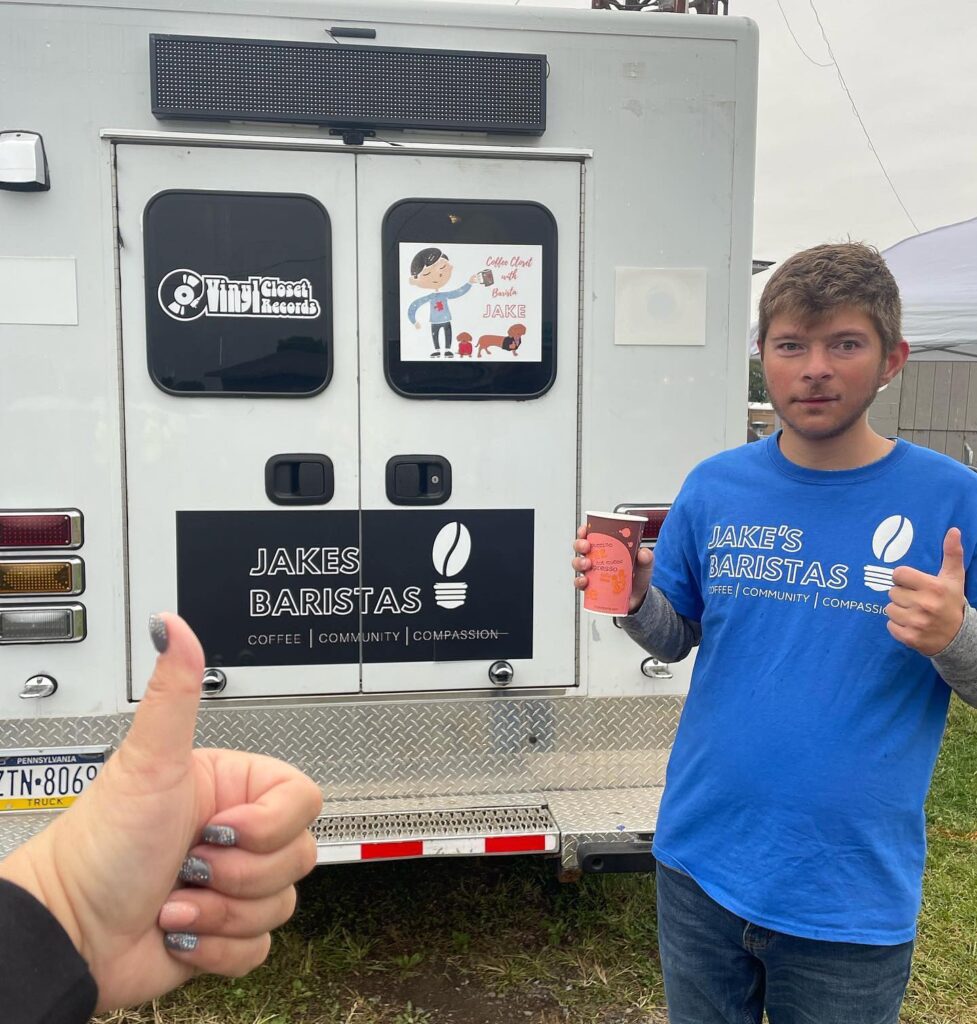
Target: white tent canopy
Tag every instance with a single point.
(937, 276)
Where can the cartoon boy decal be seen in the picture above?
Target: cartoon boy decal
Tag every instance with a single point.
(430, 270)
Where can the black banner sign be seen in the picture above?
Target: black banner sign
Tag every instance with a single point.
(340, 587)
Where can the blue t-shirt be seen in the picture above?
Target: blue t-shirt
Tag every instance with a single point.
(795, 789)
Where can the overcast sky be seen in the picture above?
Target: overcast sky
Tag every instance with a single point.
(911, 68)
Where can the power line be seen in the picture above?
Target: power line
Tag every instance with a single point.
(816, 63)
(858, 117)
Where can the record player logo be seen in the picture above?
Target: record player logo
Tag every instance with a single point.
(181, 295)
(185, 295)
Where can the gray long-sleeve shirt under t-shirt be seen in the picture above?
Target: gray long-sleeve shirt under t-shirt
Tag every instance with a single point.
(668, 636)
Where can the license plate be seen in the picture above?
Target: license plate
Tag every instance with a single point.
(48, 779)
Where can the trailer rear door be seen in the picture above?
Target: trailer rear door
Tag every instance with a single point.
(497, 409)
(239, 346)
(346, 473)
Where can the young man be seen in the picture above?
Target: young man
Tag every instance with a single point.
(828, 576)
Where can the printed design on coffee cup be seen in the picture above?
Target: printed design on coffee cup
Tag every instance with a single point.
(890, 542)
(471, 301)
(610, 578)
(624, 532)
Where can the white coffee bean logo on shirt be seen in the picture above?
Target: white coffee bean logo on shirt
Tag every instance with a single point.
(452, 546)
(892, 538)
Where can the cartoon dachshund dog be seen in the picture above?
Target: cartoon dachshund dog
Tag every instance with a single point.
(509, 343)
(464, 344)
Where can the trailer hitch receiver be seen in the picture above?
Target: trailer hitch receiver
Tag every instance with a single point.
(616, 858)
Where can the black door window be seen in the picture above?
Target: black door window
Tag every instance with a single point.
(238, 293)
(469, 299)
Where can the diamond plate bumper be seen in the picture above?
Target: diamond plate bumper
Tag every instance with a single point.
(595, 765)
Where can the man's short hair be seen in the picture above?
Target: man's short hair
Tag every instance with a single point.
(425, 258)
(816, 282)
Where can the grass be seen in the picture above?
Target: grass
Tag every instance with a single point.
(943, 988)
(484, 941)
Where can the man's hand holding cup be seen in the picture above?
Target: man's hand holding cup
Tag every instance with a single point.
(583, 562)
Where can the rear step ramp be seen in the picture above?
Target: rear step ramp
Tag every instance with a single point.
(564, 822)
(436, 832)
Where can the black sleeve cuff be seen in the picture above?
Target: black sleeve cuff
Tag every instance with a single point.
(43, 979)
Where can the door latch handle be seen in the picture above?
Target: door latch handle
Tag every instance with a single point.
(655, 669)
(298, 479)
(38, 686)
(418, 480)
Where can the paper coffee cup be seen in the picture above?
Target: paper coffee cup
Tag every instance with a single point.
(614, 541)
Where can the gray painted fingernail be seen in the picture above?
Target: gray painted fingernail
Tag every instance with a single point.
(220, 835)
(158, 634)
(195, 870)
(181, 942)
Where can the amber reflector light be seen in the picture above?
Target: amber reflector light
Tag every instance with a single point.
(35, 578)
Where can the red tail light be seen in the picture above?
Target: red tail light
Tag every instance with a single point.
(655, 514)
(60, 529)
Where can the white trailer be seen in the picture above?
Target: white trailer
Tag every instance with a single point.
(321, 324)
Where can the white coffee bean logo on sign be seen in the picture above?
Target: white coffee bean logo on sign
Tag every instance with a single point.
(452, 547)
(890, 542)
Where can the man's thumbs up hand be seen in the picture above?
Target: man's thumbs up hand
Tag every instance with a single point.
(952, 568)
(926, 612)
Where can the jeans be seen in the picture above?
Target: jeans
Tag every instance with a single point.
(721, 969)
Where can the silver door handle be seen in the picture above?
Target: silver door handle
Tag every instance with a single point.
(655, 669)
(38, 686)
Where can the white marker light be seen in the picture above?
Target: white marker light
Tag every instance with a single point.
(23, 164)
(34, 624)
